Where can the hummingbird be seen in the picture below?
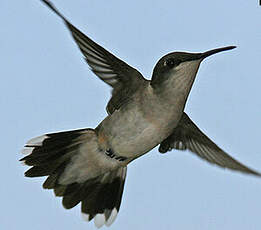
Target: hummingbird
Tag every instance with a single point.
(89, 166)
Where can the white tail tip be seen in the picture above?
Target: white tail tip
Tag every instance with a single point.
(112, 217)
(85, 216)
(37, 141)
(27, 150)
(99, 220)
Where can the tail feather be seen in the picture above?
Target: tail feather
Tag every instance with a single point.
(73, 195)
(79, 171)
(50, 182)
(40, 156)
(105, 198)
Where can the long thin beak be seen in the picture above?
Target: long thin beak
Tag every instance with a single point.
(214, 51)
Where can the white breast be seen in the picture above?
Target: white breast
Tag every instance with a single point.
(138, 127)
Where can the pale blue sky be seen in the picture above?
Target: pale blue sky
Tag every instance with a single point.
(46, 86)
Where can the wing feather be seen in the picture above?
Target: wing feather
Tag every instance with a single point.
(110, 69)
(193, 139)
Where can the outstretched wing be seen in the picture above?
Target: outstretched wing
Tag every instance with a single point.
(188, 136)
(118, 74)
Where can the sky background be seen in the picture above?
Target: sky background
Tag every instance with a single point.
(46, 86)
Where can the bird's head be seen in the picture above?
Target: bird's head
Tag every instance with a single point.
(177, 70)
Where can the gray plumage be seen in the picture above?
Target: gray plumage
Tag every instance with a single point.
(89, 166)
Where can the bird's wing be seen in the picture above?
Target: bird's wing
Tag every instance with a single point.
(188, 136)
(123, 78)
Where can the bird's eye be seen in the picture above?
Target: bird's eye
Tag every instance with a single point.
(171, 62)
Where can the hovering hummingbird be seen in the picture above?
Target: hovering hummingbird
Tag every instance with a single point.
(90, 165)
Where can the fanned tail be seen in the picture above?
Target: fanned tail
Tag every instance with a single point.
(79, 171)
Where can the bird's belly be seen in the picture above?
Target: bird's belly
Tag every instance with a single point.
(131, 134)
